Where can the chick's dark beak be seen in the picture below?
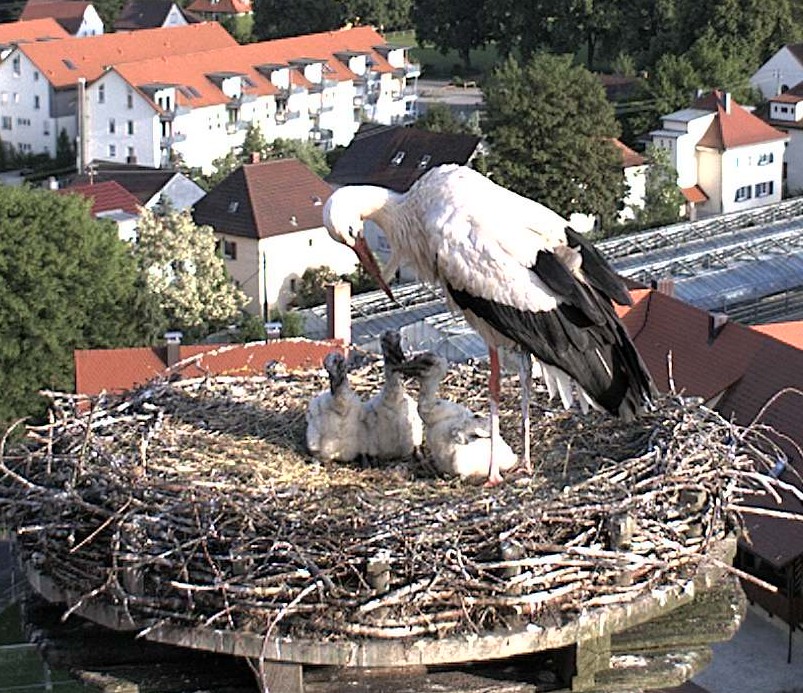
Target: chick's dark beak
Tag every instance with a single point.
(368, 261)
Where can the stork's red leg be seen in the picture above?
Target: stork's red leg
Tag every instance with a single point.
(494, 476)
(526, 379)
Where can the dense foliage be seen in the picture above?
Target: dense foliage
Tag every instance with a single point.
(66, 282)
(550, 129)
(181, 266)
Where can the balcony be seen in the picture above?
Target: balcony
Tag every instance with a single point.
(167, 141)
(168, 115)
(322, 138)
(284, 116)
(235, 126)
(235, 102)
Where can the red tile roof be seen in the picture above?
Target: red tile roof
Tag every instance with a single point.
(89, 56)
(733, 126)
(57, 9)
(635, 294)
(106, 196)
(265, 199)
(116, 370)
(789, 332)
(31, 30)
(694, 194)
(220, 6)
(629, 156)
(660, 324)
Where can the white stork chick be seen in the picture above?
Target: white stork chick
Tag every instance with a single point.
(459, 441)
(393, 428)
(522, 277)
(334, 417)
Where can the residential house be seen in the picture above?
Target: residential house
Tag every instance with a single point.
(12, 33)
(118, 370)
(395, 157)
(784, 111)
(781, 72)
(111, 201)
(41, 82)
(153, 99)
(151, 14)
(268, 219)
(217, 10)
(151, 186)
(752, 379)
(78, 18)
(727, 158)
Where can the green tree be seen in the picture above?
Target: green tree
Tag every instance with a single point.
(280, 18)
(311, 288)
(386, 15)
(452, 24)
(662, 197)
(440, 118)
(306, 152)
(550, 130)
(66, 282)
(254, 142)
(182, 267)
(65, 150)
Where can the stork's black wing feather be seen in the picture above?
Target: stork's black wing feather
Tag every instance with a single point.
(600, 357)
(597, 270)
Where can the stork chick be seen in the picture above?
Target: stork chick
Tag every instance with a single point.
(334, 417)
(393, 428)
(459, 441)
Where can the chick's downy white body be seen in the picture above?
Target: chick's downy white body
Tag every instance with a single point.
(393, 428)
(335, 429)
(459, 441)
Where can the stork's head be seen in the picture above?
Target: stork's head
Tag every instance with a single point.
(343, 219)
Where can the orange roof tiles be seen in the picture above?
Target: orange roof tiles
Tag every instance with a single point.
(694, 194)
(220, 6)
(789, 332)
(734, 126)
(106, 196)
(629, 156)
(31, 30)
(116, 370)
(89, 56)
(636, 295)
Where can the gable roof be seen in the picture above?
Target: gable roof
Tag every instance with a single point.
(116, 370)
(220, 6)
(395, 156)
(43, 29)
(733, 125)
(89, 56)
(796, 49)
(107, 196)
(264, 200)
(148, 14)
(68, 13)
(144, 183)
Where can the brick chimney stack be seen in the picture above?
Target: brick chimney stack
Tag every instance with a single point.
(173, 343)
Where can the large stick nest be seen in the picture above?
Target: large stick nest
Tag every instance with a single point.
(195, 503)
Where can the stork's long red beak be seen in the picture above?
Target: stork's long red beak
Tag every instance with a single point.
(370, 264)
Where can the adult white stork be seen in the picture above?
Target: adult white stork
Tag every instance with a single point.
(518, 272)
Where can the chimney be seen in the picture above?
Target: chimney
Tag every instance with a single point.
(666, 286)
(726, 101)
(338, 311)
(173, 342)
(255, 158)
(716, 323)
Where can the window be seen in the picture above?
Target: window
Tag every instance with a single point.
(743, 193)
(398, 157)
(228, 249)
(6, 123)
(15, 65)
(36, 75)
(4, 97)
(129, 99)
(764, 189)
(765, 159)
(112, 126)
(46, 128)
(234, 205)
(102, 93)
(423, 162)
(131, 156)
(112, 151)
(130, 127)
(36, 103)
